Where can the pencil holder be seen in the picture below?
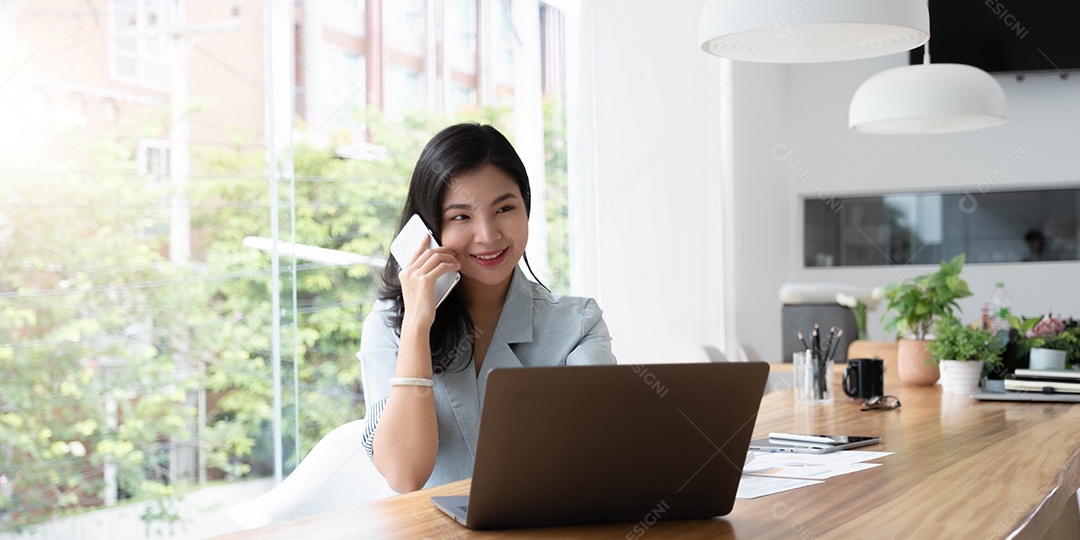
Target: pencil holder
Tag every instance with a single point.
(813, 378)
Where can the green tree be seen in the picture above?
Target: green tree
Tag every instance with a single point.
(557, 190)
(91, 320)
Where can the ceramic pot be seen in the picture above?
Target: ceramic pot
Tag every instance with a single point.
(1046, 359)
(914, 362)
(961, 377)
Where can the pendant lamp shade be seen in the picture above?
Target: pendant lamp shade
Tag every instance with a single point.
(927, 99)
(798, 31)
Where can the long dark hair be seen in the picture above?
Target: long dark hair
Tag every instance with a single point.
(456, 150)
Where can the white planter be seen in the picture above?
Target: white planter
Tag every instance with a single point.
(1046, 359)
(960, 377)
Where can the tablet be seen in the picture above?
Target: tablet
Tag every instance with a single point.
(840, 442)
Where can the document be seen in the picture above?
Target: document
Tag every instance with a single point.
(811, 466)
(752, 487)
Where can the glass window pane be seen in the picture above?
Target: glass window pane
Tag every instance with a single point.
(157, 73)
(144, 50)
(463, 96)
(404, 91)
(462, 24)
(158, 47)
(159, 12)
(123, 14)
(507, 37)
(126, 66)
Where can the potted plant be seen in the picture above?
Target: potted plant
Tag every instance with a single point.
(1051, 343)
(963, 351)
(918, 302)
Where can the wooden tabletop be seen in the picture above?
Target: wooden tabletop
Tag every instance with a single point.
(961, 469)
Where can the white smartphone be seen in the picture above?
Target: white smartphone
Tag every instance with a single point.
(404, 247)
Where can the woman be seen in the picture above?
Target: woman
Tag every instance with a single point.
(425, 369)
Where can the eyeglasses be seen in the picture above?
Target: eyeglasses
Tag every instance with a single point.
(881, 403)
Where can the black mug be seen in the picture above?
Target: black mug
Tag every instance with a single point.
(864, 378)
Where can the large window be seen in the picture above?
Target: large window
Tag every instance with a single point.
(926, 228)
(154, 342)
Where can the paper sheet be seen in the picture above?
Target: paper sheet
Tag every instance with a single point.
(809, 471)
(752, 487)
(811, 466)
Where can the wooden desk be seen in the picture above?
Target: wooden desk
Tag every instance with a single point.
(962, 469)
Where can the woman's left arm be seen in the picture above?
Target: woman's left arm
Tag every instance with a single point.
(594, 347)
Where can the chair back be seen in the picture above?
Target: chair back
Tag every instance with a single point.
(336, 473)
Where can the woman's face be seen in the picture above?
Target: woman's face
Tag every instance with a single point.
(484, 222)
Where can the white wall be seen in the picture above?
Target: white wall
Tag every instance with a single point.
(651, 141)
(809, 117)
(761, 241)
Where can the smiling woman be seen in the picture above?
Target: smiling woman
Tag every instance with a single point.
(424, 407)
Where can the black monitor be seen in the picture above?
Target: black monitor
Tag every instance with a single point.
(1005, 36)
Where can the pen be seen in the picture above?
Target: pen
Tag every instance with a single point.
(817, 341)
(819, 363)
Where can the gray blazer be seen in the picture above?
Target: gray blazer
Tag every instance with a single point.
(536, 328)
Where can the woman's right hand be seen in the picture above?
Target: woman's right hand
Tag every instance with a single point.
(418, 282)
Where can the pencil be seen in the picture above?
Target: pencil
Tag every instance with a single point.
(803, 340)
(837, 345)
(829, 344)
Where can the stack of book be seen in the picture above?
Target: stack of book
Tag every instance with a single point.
(1047, 381)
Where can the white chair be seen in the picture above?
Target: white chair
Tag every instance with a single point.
(776, 381)
(336, 473)
(714, 354)
(738, 353)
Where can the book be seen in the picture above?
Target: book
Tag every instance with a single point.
(1049, 374)
(1041, 386)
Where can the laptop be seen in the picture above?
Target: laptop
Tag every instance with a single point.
(580, 445)
(983, 394)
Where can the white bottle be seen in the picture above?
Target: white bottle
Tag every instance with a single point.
(998, 305)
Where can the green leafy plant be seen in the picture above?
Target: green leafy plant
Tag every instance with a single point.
(955, 341)
(921, 300)
(1047, 333)
(1068, 341)
(1050, 333)
(1023, 326)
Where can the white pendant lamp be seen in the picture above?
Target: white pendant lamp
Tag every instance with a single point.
(801, 31)
(927, 99)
